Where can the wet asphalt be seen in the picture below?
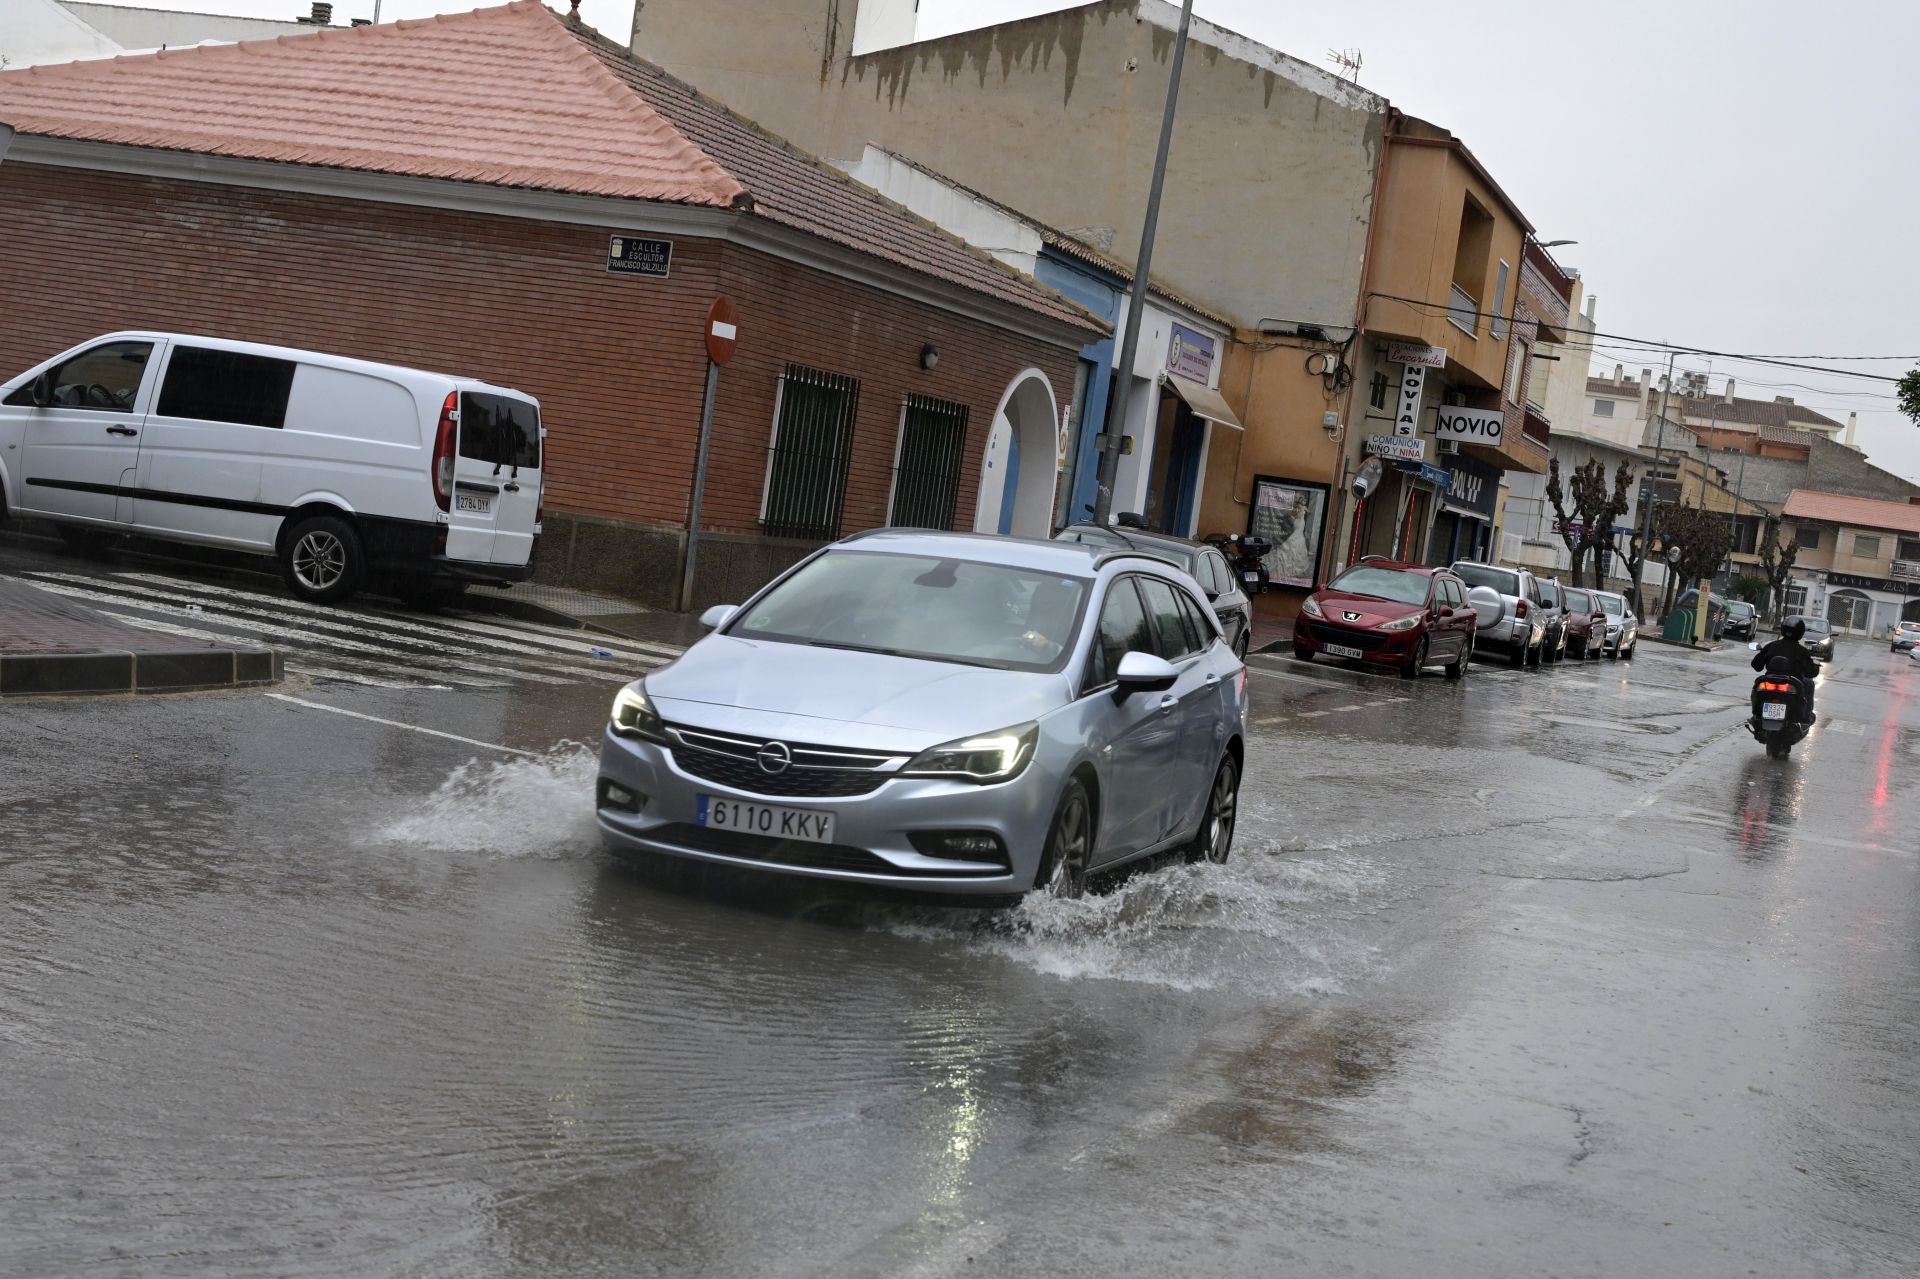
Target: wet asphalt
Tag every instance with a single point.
(1545, 973)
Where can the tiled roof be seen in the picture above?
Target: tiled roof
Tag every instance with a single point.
(502, 96)
(799, 190)
(511, 96)
(1862, 512)
(1739, 412)
(1606, 386)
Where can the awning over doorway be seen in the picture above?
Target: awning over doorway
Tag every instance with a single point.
(1204, 401)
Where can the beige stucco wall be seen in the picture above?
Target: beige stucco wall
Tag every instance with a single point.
(1266, 205)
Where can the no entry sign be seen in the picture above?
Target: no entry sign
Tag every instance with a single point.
(723, 329)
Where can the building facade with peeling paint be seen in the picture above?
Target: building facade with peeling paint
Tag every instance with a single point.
(1268, 200)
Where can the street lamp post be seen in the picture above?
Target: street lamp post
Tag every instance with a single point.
(1646, 507)
(1116, 424)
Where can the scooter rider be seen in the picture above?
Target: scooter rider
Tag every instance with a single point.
(1800, 663)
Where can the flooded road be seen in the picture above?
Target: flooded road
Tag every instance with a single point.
(1542, 973)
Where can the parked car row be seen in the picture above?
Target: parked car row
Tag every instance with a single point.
(1410, 617)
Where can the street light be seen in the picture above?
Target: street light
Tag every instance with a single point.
(1554, 244)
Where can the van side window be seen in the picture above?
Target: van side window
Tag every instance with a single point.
(105, 379)
(226, 386)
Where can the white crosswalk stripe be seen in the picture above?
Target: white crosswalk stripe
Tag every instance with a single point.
(364, 643)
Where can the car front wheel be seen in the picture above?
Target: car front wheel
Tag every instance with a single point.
(1063, 871)
(1214, 841)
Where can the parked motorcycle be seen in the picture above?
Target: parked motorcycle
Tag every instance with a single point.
(1780, 717)
(1248, 555)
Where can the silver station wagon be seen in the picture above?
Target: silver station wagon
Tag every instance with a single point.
(954, 713)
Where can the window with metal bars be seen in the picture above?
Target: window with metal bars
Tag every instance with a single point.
(926, 466)
(807, 462)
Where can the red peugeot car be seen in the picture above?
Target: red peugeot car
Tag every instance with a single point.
(1384, 613)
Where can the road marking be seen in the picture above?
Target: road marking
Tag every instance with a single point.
(296, 667)
(310, 640)
(1313, 714)
(1355, 707)
(394, 723)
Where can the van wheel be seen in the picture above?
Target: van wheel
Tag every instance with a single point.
(322, 559)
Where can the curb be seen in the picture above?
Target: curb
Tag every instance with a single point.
(526, 611)
(156, 670)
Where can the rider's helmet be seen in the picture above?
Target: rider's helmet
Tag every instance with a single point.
(1794, 629)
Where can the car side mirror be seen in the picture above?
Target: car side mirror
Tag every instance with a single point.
(717, 616)
(1446, 610)
(43, 391)
(1754, 646)
(1144, 673)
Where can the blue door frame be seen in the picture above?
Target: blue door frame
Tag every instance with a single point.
(1100, 292)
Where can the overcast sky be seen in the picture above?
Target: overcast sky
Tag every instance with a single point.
(1739, 173)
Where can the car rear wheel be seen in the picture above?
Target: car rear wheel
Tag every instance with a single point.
(322, 559)
(1063, 871)
(1627, 656)
(1214, 841)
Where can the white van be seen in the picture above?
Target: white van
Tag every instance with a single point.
(338, 468)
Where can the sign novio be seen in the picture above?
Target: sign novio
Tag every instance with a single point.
(1476, 426)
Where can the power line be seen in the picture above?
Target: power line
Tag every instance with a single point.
(1441, 308)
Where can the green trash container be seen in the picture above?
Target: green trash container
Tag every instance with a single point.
(1679, 626)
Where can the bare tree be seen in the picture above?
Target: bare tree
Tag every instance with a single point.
(1776, 564)
(1588, 531)
(1704, 540)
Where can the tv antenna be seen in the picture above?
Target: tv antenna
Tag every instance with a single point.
(1348, 60)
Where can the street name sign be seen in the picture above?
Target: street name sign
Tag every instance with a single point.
(632, 255)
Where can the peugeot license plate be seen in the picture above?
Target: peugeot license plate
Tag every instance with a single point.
(1773, 710)
(766, 819)
(479, 503)
(1341, 650)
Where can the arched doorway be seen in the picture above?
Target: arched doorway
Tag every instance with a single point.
(1021, 461)
(1911, 613)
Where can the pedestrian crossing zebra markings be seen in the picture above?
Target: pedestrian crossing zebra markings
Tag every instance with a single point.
(363, 643)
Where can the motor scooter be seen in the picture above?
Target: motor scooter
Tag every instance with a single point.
(1780, 718)
(1248, 553)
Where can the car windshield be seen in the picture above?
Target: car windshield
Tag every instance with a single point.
(1740, 608)
(1383, 583)
(923, 606)
(1816, 625)
(1612, 604)
(1502, 580)
(1910, 626)
(1578, 602)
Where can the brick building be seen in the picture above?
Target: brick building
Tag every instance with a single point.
(504, 194)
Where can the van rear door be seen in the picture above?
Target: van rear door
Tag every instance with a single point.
(496, 484)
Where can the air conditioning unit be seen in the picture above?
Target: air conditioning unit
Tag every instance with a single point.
(1448, 446)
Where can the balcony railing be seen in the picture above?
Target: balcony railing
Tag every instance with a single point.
(1463, 309)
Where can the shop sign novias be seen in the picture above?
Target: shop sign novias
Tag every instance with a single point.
(1406, 422)
(1190, 355)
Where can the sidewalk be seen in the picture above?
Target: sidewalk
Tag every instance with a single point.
(1271, 634)
(52, 645)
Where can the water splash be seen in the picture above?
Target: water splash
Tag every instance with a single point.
(1264, 922)
(536, 807)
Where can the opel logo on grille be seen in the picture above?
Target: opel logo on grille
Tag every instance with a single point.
(775, 757)
(1351, 617)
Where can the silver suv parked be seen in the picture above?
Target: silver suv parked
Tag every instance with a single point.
(1507, 601)
(946, 712)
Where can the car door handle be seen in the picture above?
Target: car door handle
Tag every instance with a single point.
(1213, 681)
(510, 487)
(122, 430)
(1168, 702)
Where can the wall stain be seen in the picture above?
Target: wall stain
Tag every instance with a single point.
(1267, 81)
(1029, 44)
(830, 45)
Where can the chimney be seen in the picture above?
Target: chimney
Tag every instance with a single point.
(322, 15)
(1853, 420)
(1783, 399)
(1618, 371)
(1729, 390)
(1592, 300)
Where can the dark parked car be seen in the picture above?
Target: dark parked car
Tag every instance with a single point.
(1586, 622)
(1200, 561)
(1742, 620)
(1553, 611)
(1818, 640)
(1385, 613)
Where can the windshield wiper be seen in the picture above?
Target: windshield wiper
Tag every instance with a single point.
(854, 648)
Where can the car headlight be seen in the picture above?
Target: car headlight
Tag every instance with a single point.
(991, 757)
(1406, 623)
(634, 716)
(1311, 609)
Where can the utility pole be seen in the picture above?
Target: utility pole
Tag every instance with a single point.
(1115, 429)
(1646, 507)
